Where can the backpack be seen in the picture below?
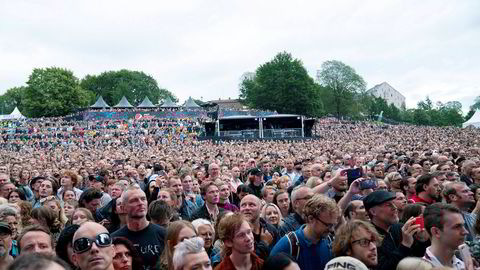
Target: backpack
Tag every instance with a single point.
(294, 247)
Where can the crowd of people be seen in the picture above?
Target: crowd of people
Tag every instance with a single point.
(147, 195)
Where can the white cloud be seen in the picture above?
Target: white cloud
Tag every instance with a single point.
(201, 48)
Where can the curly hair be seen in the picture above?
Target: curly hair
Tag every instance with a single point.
(344, 234)
(319, 204)
(61, 214)
(25, 212)
(48, 218)
(72, 175)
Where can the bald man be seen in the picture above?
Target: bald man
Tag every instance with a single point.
(262, 231)
(92, 247)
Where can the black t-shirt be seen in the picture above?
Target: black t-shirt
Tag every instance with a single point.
(149, 243)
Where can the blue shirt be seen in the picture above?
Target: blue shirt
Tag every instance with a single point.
(311, 256)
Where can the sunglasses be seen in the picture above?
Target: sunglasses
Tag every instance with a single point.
(84, 244)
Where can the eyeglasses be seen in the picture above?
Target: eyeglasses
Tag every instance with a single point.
(330, 226)
(364, 242)
(84, 244)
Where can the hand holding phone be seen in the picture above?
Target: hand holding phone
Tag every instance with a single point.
(420, 221)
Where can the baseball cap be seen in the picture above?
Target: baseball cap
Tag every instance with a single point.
(345, 262)
(5, 228)
(377, 197)
(255, 171)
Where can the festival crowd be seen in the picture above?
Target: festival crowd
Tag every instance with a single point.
(148, 194)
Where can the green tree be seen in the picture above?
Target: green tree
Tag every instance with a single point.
(476, 104)
(282, 85)
(344, 82)
(12, 98)
(134, 85)
(53, 92)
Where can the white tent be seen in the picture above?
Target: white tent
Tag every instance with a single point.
(474, 120)
(16, 114)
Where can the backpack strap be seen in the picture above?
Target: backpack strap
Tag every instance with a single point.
(294, 248)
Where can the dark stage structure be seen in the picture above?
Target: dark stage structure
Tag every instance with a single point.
(275, 126)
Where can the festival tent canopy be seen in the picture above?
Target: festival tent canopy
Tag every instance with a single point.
(123, 103)
(146, 103)
(474, 120)
(100, 103)
(190, 103)
(168, 103)
(16, 114)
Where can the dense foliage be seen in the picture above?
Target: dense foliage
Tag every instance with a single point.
(283, 85)
(57, 92)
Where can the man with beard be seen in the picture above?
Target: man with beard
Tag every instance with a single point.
(310, 245)
(147, 237)
(5, 245)
(255, 179)
(428, 190)
(446, 227)
(359, 240)
(250, 207)
(300, 196)
(460, 196)
(396, 244)
(184, 207)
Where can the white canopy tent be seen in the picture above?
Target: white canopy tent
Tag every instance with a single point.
(473, 121)
(16, 114)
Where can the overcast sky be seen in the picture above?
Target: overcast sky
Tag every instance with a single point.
(201, 48)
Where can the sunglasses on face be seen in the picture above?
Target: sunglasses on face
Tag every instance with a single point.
(84, 244)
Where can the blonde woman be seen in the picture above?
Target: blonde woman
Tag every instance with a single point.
(282, 182)
(272, 214)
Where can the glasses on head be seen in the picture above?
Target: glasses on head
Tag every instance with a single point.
(330, 226)
(84, 244)
(364, 242)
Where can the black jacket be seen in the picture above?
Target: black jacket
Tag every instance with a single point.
(202, 212)
(391, 251)
(261, 248)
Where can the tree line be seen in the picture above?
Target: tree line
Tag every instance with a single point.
(283, 85)
(56, 91)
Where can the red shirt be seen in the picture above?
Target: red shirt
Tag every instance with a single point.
(417, 199)
(227, 264)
